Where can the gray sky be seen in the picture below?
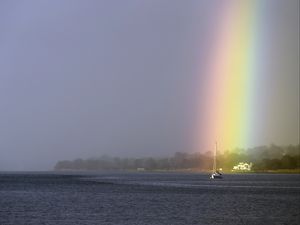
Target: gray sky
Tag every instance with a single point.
(86, 78)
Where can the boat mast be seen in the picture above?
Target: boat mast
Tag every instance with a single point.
(215, 159)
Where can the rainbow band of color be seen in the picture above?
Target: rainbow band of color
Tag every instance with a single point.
(227, 114)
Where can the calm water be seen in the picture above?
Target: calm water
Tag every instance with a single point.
(148, 199)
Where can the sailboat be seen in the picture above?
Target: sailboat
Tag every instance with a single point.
(215, 173)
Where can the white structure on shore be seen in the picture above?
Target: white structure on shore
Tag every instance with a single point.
(242, 167)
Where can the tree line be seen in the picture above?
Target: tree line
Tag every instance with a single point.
(263, 158)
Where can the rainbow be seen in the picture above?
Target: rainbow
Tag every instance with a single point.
(227, 111)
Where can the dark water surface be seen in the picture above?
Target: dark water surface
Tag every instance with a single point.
(148, 199)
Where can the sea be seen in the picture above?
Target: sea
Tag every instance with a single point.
(146, 198)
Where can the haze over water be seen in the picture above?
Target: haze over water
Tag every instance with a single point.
(139, 78)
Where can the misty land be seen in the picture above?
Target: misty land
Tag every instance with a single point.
(263, 159)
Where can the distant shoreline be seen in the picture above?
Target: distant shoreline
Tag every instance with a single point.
(281, 171)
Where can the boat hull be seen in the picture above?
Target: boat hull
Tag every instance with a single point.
(216, 176)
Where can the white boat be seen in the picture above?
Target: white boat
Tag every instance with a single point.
(215, 173)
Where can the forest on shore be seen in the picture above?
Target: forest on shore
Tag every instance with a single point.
(263, 158)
